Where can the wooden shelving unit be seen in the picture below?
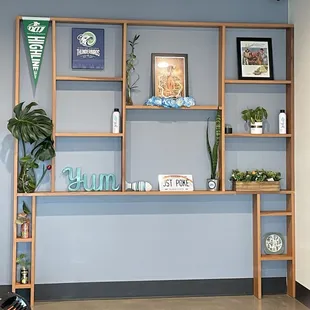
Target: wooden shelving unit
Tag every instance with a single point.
(258, 257)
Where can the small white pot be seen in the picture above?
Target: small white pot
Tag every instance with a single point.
(257, 128)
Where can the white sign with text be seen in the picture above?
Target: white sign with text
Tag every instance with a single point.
(175, 182)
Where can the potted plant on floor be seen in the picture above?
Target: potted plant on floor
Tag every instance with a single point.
(33, 127)
(24, 264)
(256, 180)
(255, 117)
(23, 219)
(213, 182)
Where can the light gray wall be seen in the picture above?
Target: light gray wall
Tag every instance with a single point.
(144, 238)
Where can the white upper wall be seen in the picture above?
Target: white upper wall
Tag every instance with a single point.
(299, 15)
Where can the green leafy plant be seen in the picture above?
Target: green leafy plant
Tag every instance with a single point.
(23, 217)
(255, 176)
(130, 69)
(214, 152)
(23, 261)
(35, 128)
(254, 115)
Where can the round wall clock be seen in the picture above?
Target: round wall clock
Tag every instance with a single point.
(273, 243)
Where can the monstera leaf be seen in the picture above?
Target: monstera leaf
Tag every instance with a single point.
(30, 126)
(44, 150)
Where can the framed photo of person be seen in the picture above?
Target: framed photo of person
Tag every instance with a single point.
(169, 75)
(255, 61)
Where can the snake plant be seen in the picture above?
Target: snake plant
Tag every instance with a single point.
(214, 152)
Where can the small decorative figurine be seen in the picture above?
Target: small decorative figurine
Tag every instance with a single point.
(138, 186)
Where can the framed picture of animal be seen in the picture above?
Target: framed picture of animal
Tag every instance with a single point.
(169, 75)
(255, 59)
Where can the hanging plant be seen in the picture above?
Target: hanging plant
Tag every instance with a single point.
(32, 127)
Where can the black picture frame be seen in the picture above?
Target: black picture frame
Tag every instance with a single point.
(169, 56)
(257, 43)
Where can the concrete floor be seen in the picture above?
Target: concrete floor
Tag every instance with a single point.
(201, 303)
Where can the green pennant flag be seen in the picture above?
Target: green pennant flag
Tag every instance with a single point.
(35, 29)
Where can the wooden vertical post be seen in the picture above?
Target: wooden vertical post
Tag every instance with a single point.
(221, 102)
(54, 94)
(290, 163)
(124, 58)
(33, 249)
(257, 265)
(15, 168)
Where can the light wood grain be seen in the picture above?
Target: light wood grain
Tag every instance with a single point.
(54, 96)
(276, 257)
(290, 164)
(33, 249)
(16, 150)
(23, 240)
(272, 82)
(221, 103)
(196, 107)
(276, 213)
(89, 78)
(257, 266)
(264, 135)
(88, 134)
(124, 115)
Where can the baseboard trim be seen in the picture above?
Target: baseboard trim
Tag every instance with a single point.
(303, 294)
(153, 289)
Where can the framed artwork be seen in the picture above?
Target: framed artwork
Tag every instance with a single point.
(169, 75)
(255, 60)
(87, 48)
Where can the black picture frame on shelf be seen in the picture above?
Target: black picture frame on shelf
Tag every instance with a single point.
(173, 65)
(255, 58)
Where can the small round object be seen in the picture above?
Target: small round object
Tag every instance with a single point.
(212, 184)
(273, 243)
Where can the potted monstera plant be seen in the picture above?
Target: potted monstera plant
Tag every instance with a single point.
(31, 127)
(213, 182)
(255, 117)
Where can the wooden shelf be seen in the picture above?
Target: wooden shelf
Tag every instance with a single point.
(264, 135)
(273, 82)
(23, 240)
(275, 213)
(89, 79)
(88, 134)
(265, 257)
(22, 286)
(151, 193)
(147, 107)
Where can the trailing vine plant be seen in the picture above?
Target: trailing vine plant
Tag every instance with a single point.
(32, 127)
(131, 69)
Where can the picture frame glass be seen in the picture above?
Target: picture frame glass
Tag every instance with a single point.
(255, 58)
(169, 75)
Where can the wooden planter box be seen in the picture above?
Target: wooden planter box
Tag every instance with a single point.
(256, 186)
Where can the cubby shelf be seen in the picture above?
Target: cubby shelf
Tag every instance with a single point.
(22, 286)
(196, 107)
(88, 134)
(264, 135)
(89, 79)
(274, 82)
(275, 213)
(265, 257)
(287, 82)
(23, 240)
(151, 193)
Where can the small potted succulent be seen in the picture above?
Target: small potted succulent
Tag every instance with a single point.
(213, 181)
(23, 219)
(24, 264)
(255, 117)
